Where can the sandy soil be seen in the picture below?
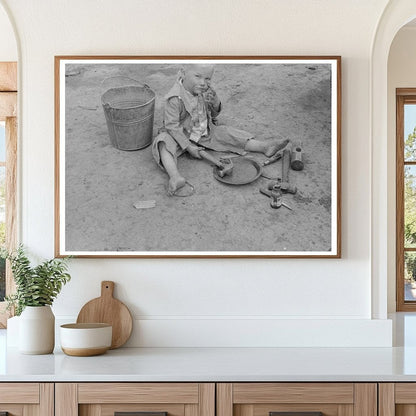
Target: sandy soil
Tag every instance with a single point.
(103, 183)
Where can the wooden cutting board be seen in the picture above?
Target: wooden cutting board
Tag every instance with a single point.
(108, 310)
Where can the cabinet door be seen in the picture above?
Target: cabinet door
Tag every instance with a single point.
(26, 399)
(397, 399)
(297, 399)
(142, 399)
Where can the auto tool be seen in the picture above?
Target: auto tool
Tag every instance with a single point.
(276, 156)
(273, 158)
(225, 166)
(296, 162)
(275, 195)
(245, 170)
(285, 185)
(275, 184)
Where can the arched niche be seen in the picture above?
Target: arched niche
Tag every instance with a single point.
(396, 14)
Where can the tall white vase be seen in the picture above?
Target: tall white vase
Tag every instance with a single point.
(37, 330)
(12, 334)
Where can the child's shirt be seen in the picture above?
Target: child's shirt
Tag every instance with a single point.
(187, 117)
(200, 120)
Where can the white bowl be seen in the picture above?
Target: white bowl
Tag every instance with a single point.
(83, 340)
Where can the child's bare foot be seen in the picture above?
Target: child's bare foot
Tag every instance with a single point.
(175, 183)
(274, 146)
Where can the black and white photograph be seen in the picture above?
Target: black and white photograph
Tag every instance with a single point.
(197, 156)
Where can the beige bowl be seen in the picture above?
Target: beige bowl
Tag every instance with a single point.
(83, 340)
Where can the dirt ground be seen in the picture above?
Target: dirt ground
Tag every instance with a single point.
(102, 183)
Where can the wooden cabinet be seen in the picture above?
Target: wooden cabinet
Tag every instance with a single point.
(208, 399)
(397, 399)
(27, 399)
(331, 399)
(105, 399)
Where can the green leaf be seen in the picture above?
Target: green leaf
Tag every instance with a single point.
(35, 286)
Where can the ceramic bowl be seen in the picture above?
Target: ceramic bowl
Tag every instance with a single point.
(83, 340)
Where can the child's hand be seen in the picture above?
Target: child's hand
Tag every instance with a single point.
(194, 151)
(211, 97)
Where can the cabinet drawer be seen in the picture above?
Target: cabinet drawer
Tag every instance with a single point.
(148, 399)
(21, 399)
(138, 393)
(19, 393)
(309, 399)
(397, 399)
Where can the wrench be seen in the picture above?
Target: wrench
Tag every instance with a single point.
(276, 198)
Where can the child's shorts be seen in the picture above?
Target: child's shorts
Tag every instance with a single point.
(226, 139)
(220, 139)
(171, 146)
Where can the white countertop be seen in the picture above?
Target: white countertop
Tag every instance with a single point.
(215, 364)
(221, 364)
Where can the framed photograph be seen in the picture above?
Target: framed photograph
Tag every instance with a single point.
(198, 156)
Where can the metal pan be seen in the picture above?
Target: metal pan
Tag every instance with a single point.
(245, 171)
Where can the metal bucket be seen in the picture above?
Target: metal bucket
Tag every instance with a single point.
(129, 108)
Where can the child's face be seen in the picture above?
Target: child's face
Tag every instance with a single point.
(197, 78)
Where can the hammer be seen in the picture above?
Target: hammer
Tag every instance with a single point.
(225, 166)
(296, 162)
(285, 186)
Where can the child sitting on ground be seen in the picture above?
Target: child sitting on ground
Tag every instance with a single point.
(190, 113)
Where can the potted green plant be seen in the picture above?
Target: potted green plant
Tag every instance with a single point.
(36, 289)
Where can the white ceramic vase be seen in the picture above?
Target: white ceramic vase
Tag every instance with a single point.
(37, 330)
(12, 334)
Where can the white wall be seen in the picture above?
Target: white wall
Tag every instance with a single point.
(8, 47)
(197, 302)
(401, 74)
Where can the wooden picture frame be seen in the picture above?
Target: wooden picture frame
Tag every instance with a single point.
(8, 116)
(111, 194)
(404, 288)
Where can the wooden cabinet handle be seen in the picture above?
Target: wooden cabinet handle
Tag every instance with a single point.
(295, 413)
(139, 414)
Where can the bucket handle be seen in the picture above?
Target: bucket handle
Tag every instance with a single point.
(119, 81)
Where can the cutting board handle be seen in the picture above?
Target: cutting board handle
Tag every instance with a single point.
(107, 289)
